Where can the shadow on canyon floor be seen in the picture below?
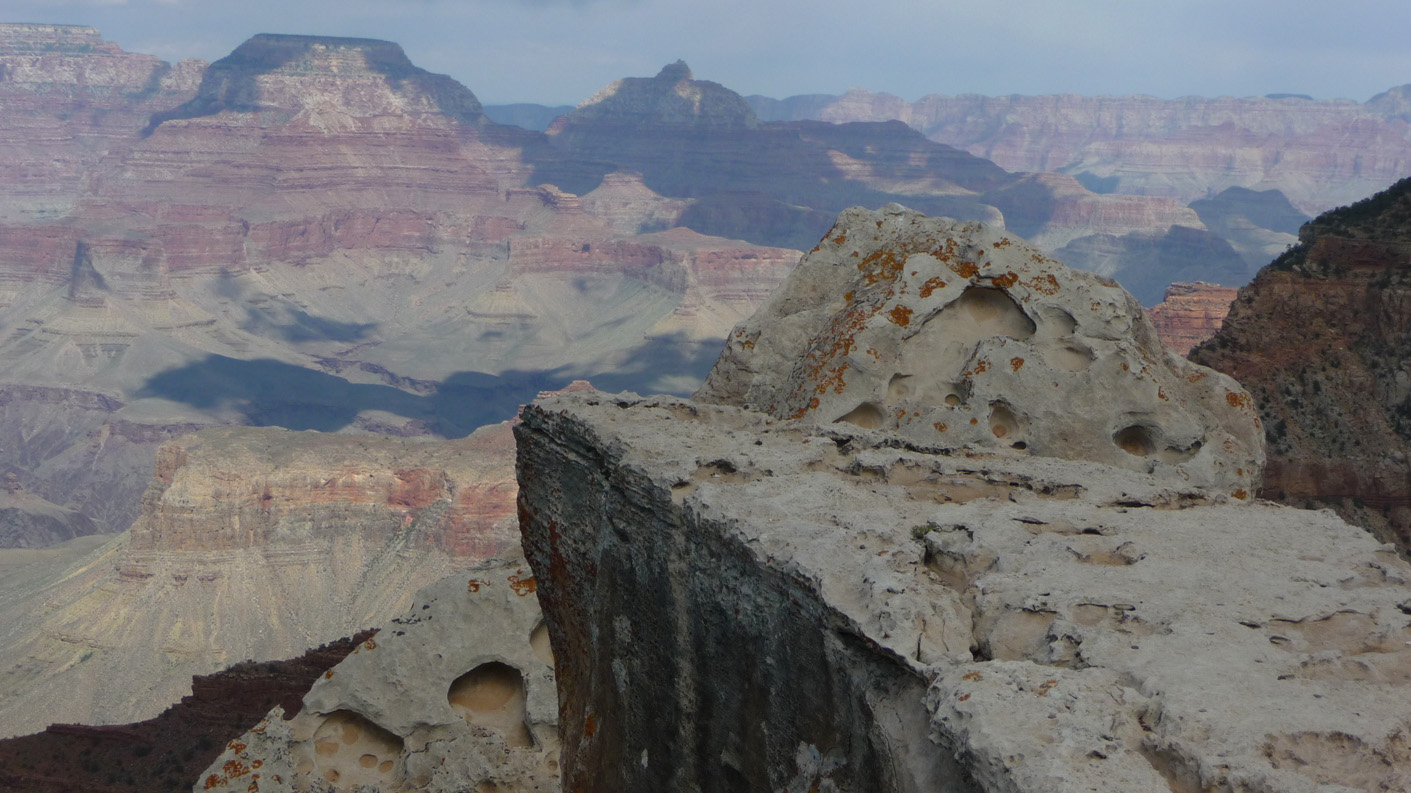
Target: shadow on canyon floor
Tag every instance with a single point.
(268, 393)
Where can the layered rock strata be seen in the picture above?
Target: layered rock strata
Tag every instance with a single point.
(1190, 314)
(456, 694)
(1318, 153)
(253, 543)
(748, 596)
(1319, 338)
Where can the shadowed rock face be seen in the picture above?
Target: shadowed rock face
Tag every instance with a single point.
(960, 336)
(1319, 338)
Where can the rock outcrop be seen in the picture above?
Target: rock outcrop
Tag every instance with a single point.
(456, 694)
(956, 335)
(1319, 338)
(739, 599)
(253, 543)
(1190, 314)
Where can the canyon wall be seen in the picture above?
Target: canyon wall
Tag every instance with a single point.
(1319, 340)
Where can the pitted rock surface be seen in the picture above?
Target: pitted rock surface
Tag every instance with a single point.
(457, 694)
(959, 335)
(797, 607)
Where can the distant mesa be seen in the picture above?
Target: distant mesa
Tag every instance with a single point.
(272, 72)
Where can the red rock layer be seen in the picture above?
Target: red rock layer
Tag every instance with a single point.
(170, 751)
(1319, 339)
(1190, 314)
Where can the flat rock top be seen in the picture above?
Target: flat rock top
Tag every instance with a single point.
(962, 336)
(1086, 627)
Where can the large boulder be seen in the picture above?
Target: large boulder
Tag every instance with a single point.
(958, 335)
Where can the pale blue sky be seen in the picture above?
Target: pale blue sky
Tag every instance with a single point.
(562, 51)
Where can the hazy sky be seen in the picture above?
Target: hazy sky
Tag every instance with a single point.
(562, 51)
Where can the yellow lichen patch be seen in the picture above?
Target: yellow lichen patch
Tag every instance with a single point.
(1196, 378)
(901, 315)
(982, 366)
(369, 645)
(328, 675)
(1240, 494)
(1046, 687)
(1004, 242)
(974, 421)
(972, 676)
(940, 427)
(1006, 281)
(1016, 363)
(847, 298)
(841, 238)
(1161, 394)
(473, 585)
(932, 284)
(1044, 284)
(1126, 368)
(235, 746)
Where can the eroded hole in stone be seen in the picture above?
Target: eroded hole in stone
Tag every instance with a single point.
(1005, 425)
(898, 388)
(350, 751)
(539, 643)
(868, 415)
(992, 312)
(1136, 440)
(492, 696)
(1060, 322)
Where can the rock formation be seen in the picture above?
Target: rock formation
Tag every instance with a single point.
(957, 335)
(1319, 338)
(456, 694)
(1190, 314)
(740, 599)
(252, 543)
(1317, 153)
(168, 751)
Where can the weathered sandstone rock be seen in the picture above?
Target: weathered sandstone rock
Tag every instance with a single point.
(456, 694)
(739, 602)
(959, 336)
(1320, 339)
(1190, 314)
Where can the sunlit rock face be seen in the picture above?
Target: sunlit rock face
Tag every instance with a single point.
(456, 694)
(961, 336)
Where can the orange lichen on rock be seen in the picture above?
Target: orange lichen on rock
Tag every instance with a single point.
(1016, 363)
(940, 427)
(930, 285)
(523, 586)
(1006, 281)
(474, 584)
(901, 315)
(1237, 400)
(1045, 284)
(964, 269)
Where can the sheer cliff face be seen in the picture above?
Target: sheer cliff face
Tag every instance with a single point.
(1318, 153)
(252, 543)
(1190, 314)
(747, 599)
(1319, 340)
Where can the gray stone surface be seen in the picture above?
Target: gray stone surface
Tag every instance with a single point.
(741, 602)
(457, 694)
(961, 335)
